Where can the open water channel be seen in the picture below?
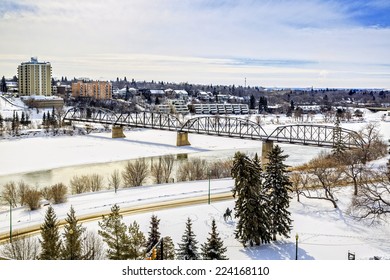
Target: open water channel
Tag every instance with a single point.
(42, 178)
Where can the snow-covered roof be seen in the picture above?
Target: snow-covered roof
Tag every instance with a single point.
(157, 91)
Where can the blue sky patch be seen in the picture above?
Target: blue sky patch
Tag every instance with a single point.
(8, 6)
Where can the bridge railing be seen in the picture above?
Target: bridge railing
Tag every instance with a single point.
(318, 135)
(225, 126)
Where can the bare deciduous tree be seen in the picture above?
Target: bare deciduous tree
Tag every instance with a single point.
(9, 193)
(325, 178)
(58, 193)
(92, 246)
(22, 188)
(195, 169)
(352, 166)
(374, 146)
(167, 164)
(373, 200)
(115, 180)
(79, 184)
(220, 168)
(95, 182)
(157, 171)
(32, 198)
(135, 173)
(21, 248)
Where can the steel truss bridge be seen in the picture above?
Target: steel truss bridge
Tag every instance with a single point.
(304, 134)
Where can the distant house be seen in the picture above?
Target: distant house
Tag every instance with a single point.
(157, 92)
(204, 96)
(181, 94)
(358, 113)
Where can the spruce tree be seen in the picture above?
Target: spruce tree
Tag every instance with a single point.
(1, 124)
(137, 242)
(277, 185)
(154, 233)
(50, 242)
(188, 249)
(339, 148)
(44, 119)
(73, 232)
(169, 248)
(114, 234)
(251, 206)
(214, 249)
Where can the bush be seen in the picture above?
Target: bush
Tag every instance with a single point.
(22, 188)
(58, 193)
(135, 173)
(32, 198)
(195, 169)
(79, 184)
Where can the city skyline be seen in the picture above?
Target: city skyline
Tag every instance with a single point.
(343, 44)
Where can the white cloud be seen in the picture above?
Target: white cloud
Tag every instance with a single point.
(155, 38)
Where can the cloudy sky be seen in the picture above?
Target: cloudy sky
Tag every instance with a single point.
(282, 43)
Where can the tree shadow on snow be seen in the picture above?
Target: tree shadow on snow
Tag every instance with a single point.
(278, 250)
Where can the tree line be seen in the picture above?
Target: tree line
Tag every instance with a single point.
(134, 174)
(115, 241)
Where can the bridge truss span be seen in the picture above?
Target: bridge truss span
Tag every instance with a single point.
(91, 114)
(316, 135)
(135, 119)
(303, 134)
(225, 126)
(152, 120)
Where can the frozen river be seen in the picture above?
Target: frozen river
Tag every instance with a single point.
(49, 160)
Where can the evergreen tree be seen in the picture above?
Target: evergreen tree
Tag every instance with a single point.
(17, 123)
(154, 234)
(252, 102)
(72, 245)
(44, 119)
(3, 85)
(169, 248)
(251, 207)
(277, 185)
(23, 119)
(114, 234)
(188, 249)
(137, 242)
(50, 242)
(214, 249)
(1, 124)
(339, 148)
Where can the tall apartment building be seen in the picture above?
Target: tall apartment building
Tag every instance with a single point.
(34, 78)
(94, 89)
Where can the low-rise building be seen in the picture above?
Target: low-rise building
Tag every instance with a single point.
(93, 89)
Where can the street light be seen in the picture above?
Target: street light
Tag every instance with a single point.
(296, 246)
(209, 186)
(10, 220)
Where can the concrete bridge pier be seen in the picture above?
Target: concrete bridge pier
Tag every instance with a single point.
(182, 139)
(266, 148)
(117, 132)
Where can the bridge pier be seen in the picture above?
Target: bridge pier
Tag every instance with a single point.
(265, 149)
(117, 132)
(182, 139)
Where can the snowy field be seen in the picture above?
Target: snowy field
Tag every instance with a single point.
(324, 233)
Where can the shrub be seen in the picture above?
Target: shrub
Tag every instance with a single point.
(58, 193)
(32, 198)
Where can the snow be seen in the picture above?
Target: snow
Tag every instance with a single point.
(324, 233)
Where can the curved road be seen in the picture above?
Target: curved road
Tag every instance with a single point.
(33, 230)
